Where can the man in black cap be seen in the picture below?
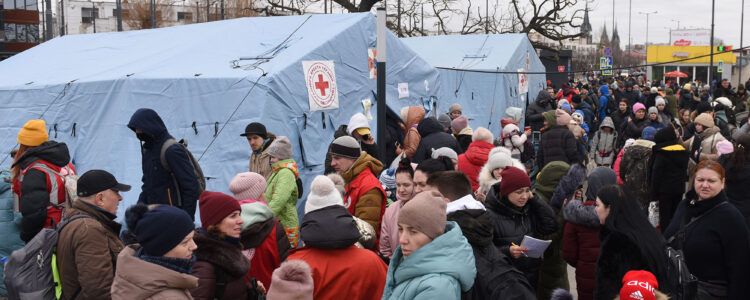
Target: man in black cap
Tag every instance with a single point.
(88, 246)
(259, 140)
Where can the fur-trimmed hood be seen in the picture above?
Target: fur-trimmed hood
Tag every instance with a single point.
(581, 213)
(486, 181)
(222, 254)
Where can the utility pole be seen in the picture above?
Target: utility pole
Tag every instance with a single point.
(208, 10)
(711, 61)
(153, 13)
(630, 18)
(222, 9)
(93, 15)
(118, 3)
(647, 13)
(62, 17)
(613, 14)
(742, 23)
(48, 12)
(487, 16)
(398, 16)
(423, 18)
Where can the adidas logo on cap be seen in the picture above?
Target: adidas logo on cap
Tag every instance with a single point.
(636, 295)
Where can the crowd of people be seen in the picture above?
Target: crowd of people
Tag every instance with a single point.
(609, 173)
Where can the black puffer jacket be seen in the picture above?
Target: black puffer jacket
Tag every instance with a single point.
(535, 110)
(634, 129)
(496, 277)
(433, 137)
(510, 225)
(557, 144)
(34, 195)
(686, 100)
(738, 186)
(667, 178)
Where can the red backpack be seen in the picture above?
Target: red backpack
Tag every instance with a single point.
(61, 186)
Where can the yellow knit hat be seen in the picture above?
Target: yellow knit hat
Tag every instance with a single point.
(33, 133)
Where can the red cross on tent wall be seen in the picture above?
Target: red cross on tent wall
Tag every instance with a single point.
(321, 85)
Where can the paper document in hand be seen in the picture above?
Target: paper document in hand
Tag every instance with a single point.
(536, 247)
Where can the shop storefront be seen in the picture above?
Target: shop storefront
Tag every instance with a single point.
(696, 69)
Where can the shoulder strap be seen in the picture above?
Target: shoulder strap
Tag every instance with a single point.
(162, 156)
(220, 283)
(67, 221)
(683, 227)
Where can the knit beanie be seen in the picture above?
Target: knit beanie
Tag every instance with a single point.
(505, 121)
(648, 133)
(346, 146)
(513, 179)
(323, 193)
(444, 120)
(460, 123)
(291, 281)
(562, 116)
(215, 206)
(388, 178)
(482, 134)
(639, 285)
(628, 142)
(654, 90)
(33, 133)
(426, 213)
(705, 119)
(565, 105)
(444, 151)
(455, 107)
(665, 137)
(281, 148)
(724, 147)
(653, 110)
(576, 99)
(499, 160)
(247, 185)
(550, 117)
(638, 106)
(703, 107)
(660, 101)
(160, 229)
(338, 182)
(253, 212)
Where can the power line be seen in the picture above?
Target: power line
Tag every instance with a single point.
(575, 72)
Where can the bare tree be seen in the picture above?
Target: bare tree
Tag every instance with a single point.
(553, 19)
(137, 13)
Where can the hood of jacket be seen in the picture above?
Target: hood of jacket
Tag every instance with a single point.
(567, 186)
(286, 164)
(551, 118)
(581, 213)
(141, 279)
(709, 132)
(548, 178)
(414, 115)
(429, 126)
(448, 254)
(148, 121)
(222, 254)
(598, 178)
(604, 89)
(475, 224)
(607, 123)
(478, 152)
(255, 234)
(365, 161)
(50, 151)
(543, 98)
(669, 91)
(331, 227)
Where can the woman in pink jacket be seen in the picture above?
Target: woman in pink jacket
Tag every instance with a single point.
(404, 193)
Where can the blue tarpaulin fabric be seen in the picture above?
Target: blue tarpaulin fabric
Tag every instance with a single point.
(193, 73)
(484, 96)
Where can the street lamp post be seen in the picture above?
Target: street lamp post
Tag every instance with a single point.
(647, 13)
(742, 23)
(711, 60)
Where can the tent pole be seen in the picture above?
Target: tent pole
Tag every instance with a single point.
(380, 69)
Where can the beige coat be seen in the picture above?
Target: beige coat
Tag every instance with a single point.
(710, 137)
(137, 279)
(261, 163)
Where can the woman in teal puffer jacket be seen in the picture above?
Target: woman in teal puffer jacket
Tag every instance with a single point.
(434, 260)
(10, 239)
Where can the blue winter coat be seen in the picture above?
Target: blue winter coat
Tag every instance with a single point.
(10, 239)
(603, 102)
(158, 187)
(441, 269)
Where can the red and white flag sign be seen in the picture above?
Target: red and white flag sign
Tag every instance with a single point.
(320, 79)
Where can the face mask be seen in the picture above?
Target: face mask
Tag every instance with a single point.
(142, 136)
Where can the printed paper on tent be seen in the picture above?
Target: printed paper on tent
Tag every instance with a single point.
(372, 63)
(320, 79)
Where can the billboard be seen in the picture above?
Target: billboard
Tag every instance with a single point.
(690, 37)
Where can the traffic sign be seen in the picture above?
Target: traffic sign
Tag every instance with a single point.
(720, 67)
(607, 72)
(608, 51)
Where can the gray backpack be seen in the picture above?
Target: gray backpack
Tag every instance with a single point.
(31, 272)
(197, 171)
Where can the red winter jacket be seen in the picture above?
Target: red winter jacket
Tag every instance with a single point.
(581, 246)
(266, 245)
(472, 161)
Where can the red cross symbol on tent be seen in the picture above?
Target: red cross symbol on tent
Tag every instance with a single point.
(321, 85)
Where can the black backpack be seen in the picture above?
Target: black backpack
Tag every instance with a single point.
(197, 171)
(611, 105)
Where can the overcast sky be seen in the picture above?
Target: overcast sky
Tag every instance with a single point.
(690, 13)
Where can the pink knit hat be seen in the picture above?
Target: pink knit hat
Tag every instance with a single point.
(460, 123)
(638, 106)
(248, 185)
(292, 280)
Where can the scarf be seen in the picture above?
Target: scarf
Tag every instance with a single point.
(182, 265)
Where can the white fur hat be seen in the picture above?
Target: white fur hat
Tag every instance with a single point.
(499, 158)
(323, 193)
